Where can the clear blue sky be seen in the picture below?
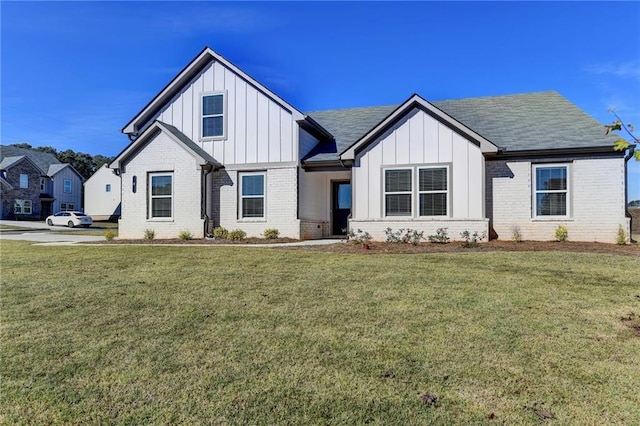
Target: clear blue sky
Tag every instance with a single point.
(74, 73)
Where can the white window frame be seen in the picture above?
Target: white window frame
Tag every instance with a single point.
(67, 207)
(223, 115)
(242, 197)
(385, 193)
(535, 191)
(151, 197)
(447, 191)
(66, 183)
(22, 207)
(24, 180)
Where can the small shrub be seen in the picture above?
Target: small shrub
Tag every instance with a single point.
(109, 234)
(393, 237)
(441, 237)
(220, 233)
(516, 235)
(271, 233)
(413, 236)
(185, 235)
(562, 234)
(149, 234)
(359, 237)
(471, 240)
(621, 238)
(237, 235)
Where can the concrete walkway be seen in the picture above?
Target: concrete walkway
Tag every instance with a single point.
(42, 234)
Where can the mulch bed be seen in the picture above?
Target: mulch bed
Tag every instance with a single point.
(392, 248)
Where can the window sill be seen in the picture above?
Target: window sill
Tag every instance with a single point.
(160, 219)
(213, 138)
(252, 220)
(552, 219)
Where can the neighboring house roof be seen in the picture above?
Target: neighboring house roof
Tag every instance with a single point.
(57, 168)
(197, 64)
(9, 162)
(201, 156)
(41, 159)
(100, 170)
(523, 122)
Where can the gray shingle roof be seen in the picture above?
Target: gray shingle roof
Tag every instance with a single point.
(41, 159)
(10, 161)
(523, 122)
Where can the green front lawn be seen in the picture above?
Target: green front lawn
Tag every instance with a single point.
(217, 335)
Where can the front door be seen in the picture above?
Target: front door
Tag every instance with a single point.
(341, 207)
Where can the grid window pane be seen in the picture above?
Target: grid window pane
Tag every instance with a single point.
(160, 185)
(398, 204)
(253, 207)
(551, 204)
(432, 179)
(551, 178)
(253, 185)
(212, 126)
(397, 181)
(212, 105)
(433, 204)
(161, 207)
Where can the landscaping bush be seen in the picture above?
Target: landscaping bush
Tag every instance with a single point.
(562, 234)
(149, 234)
(621, 238)
(441, 237)
(271, 233)
(516, 235)
(220, 233)
(237, 235)
(471, 240)
(185, 235)
(359, 237)
(109, 234)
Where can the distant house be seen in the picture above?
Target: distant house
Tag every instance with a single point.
(217, 148)
(102, 195)
(53, 186)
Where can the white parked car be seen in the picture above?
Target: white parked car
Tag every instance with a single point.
(69, 219)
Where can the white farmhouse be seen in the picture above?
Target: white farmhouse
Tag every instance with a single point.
(102, 194)
(217, 148)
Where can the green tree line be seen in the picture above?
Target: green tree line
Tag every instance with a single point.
(85, 164)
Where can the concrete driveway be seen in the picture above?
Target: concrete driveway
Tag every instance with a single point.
(41, 233)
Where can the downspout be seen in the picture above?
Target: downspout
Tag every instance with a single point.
(206, 169)
(626, 189)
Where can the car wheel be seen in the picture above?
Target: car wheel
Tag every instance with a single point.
(49, 222)
(70, 223)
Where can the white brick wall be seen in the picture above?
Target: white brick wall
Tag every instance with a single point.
(281, 202)
(597, 200)
(161, 155)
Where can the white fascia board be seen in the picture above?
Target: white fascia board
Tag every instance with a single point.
(485, 144)
(186, 75)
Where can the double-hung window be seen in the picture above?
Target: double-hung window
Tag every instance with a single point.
(398, 192)
(160, 195)
(213, 116)
(24, 180)
(67, 207)
(551, 190)
(67, 186)
(433, 192)
(252, 195)
(22, 207)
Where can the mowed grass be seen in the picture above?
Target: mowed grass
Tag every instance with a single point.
(218, 335)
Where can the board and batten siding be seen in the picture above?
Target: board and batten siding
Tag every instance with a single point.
(75, 196)
(420, 140)
(596, 199)
(257, 129)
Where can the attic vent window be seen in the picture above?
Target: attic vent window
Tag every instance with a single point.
(213, 116)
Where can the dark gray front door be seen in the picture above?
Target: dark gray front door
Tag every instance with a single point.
(341, 203)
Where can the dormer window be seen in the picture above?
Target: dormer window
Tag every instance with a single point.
(213, 115)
